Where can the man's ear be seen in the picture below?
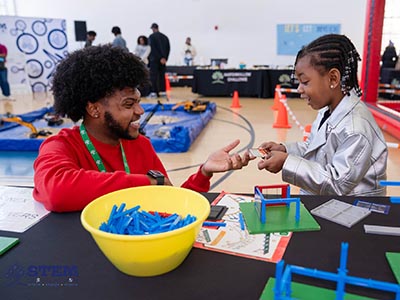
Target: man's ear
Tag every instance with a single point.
(93, 110)
(334, 77)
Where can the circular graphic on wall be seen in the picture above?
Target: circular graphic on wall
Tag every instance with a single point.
(39, 87)
(34, 68)
(39, 28)
(20, 25)
(13, 31)
(27, 43)
(57, 39)
(48, 64)
(15, 69)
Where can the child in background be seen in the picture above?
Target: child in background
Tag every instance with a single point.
(143, 49)
(346, 153)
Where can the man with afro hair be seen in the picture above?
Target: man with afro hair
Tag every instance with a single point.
(105, 153)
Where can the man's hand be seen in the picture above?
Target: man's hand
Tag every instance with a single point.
(222, 160)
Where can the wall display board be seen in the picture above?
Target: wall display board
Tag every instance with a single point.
(292, 37)
(35, 46)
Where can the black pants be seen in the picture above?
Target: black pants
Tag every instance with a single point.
(157, 77)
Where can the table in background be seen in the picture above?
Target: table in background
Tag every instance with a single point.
(259, 83)
(283, 77)
(223, 82)
(180, 75)
(390, 76)
(60, 240)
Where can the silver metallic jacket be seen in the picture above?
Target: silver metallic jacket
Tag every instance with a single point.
(346, 156)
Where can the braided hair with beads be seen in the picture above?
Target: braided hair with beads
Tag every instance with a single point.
(334, 51)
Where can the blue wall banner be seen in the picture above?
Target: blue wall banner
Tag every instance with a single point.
(292, 37)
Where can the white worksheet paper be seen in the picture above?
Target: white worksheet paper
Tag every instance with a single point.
(18, 210)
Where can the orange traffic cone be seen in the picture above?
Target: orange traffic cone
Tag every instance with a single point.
(275, 106)
(235, 100)
(282, 118)
(306, 132)
(167, 84)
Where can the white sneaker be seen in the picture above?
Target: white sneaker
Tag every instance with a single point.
(152, 95)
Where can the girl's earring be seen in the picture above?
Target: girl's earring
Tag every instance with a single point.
(331, 86)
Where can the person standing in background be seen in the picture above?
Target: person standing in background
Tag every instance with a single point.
(159, 53)
(5, 87)
(118, 41)
(397, 66)
(90, 37)
(143, 49)
(189, 52)
(389, 57)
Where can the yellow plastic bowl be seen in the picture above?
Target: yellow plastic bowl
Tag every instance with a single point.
(153, 254)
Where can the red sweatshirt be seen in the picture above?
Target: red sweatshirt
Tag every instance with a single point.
(67, 178)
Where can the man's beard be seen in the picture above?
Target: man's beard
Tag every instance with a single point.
(115, 128)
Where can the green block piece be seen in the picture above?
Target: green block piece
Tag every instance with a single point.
(394, 262)
(279, 218)
(6, 243)
(306, 292)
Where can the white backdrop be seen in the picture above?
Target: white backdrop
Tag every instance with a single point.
(35, 45)
(247, 30)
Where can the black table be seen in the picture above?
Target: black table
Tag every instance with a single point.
(283, 77)
(259, 83)
(61, 249)
(180, 75)
(389, 74)
(223, 82)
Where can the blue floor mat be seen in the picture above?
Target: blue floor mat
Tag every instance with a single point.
(170, 131)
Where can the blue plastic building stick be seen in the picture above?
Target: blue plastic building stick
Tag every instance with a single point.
(342, 271)
(389, 183)
(132, 221)
(214, 224)
(278, 278)
(114, 209)
(241, 221)
(286, 282)
(297, 216)
(395, 200)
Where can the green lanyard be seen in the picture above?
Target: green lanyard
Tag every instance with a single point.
(95, 155)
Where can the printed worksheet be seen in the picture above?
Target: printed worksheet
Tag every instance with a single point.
(18, 210)
(234, 239)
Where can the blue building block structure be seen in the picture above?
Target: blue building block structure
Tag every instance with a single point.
(283, 281)
(261, 203)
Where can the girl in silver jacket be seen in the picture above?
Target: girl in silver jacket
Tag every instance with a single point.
(346, 153)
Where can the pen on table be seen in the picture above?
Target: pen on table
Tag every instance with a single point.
(214, 224)
(241, 221)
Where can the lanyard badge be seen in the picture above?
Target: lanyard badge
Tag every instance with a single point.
(95, 154)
